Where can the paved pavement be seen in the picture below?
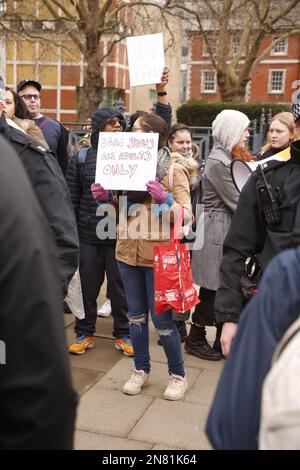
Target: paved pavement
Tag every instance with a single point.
(109, 420)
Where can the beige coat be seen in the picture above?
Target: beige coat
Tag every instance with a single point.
(136, 249)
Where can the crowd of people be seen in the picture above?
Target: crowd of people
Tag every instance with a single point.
(62, 200)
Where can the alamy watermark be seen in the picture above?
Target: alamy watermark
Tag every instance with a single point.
(134, 221)
(2, 352)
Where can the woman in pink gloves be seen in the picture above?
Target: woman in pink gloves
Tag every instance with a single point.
(135, 259)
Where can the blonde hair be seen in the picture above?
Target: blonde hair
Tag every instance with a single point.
(285, 118)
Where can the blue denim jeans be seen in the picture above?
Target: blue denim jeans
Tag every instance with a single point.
(139, 288)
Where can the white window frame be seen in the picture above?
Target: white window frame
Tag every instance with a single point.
(215, 44)
(3, 6)
(276, 92)
(285, 51)
(235, 44)
(203, 90)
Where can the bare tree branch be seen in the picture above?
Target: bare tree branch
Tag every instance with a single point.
(248, 21)
(273, 44)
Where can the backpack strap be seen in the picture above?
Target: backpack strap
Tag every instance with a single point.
(43, 122)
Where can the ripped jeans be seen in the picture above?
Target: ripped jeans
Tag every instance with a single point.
(139, 288)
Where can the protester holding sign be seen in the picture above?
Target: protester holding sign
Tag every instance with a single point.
(145, 58)
(162, 106)
(134, 253)
(97, 256)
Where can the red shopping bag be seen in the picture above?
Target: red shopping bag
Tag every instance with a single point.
(173, 280)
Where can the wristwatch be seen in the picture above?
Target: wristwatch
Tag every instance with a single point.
(162, 93)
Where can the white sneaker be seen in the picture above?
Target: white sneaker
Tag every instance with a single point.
(137, 380)
(176, 388)
(105, 309)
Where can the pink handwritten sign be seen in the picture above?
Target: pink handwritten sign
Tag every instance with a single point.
(126, 160)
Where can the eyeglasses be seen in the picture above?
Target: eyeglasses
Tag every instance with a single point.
(113, 121)
(30, 97)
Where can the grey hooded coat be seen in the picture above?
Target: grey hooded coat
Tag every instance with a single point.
(219, 203)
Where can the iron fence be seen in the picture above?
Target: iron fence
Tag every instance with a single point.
(202, 136)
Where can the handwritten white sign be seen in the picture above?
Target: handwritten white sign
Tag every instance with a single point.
(126, 160)
(146, 59)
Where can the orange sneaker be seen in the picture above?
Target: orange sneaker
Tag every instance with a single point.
(124, 344)
(81, 344)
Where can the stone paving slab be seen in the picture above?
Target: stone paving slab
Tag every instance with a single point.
(110, 412)
(158, 380)
(84, 379)
(148, 421)
(69, 319)
(204, 388)
(160, 447)
(177, 425)
(91, 441)
(193, 361)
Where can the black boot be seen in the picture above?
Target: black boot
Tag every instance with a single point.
(197, 345)
(181, 327)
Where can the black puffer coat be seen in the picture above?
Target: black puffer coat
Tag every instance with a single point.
(52, 192)
(80, 177)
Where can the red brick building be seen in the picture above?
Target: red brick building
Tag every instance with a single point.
(273, 80)
(60, 71)
(51, 58)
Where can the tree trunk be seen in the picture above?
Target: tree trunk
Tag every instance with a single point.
(231, 91)
(93, 81)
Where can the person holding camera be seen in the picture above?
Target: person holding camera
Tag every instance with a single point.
(265, 222)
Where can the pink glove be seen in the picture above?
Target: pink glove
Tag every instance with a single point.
(98, 192)
(156, 190)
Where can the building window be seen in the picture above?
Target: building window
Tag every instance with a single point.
(280, 48)
(3, 6)
(276, 81)
(213, 45)
(108, 97)
(152, 94)
(208, 84)
(235, 44)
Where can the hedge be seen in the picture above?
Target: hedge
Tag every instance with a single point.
(201, 113)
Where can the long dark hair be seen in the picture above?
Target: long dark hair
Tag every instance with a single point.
(21, 110)
(153, 123)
